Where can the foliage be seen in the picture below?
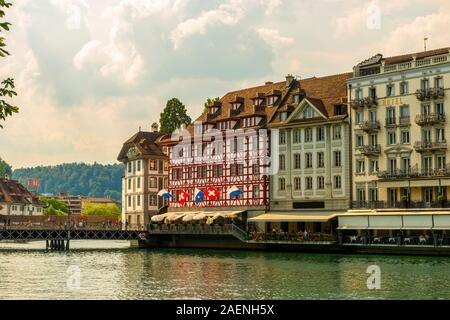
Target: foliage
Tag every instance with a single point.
(54, 207)
(173, 116)
(96, 209)
(5, 168)
(6, 86)
(210, 101)
(94, 180)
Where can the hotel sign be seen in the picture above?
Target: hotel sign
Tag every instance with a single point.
(391, 101)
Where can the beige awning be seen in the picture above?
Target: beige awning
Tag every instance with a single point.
(161, 217)
(285, 217)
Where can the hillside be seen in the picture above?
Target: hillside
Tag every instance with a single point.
(94, 180)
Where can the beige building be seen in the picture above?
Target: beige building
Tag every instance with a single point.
(400, 128)
(146, 173)
(16, 200)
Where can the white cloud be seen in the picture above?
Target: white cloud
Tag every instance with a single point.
(273, 38)
(228, 13)
(271, 5)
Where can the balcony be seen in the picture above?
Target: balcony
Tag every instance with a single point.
(414, 173)
(370, 150)
(399, 204)
(370, 126)
(404, 121)
(365, 102)
(430, 119)
(424, 146)
(430, 93)
(390, 122)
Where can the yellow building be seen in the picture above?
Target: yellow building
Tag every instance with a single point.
(400, 129)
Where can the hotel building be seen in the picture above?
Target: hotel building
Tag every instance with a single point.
(146, 171)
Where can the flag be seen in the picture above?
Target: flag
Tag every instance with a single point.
(165, 194)
(234, 191)
(199, 195)
(183, 197)
(28, 183)
(212, 193)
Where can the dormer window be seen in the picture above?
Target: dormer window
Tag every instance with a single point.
(213, 110)
(257, 102)
(309, 113)
(296, 98)
(338, 109)
(271, 100)
(283, 116)
(236, 106)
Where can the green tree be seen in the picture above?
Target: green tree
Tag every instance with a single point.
(210, 101)
(173, 116)
(5, 168)
(7, 85)
(54, 207)
(96, 209)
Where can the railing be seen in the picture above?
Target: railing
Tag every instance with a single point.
(364, 102)
(400, 204)
(428, 119)
(414, 173)
(370, 150)
(390, 122)
(190, 229)
(52, 226)
(399, 240)
(405, 120)
(422, 146)
(370, 126)
(430, 93)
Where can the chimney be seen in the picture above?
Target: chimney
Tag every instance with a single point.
(269, 82)
(155, 127)
(289, 80)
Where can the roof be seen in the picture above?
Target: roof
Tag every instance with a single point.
(418, 55)
(145, 143)
(13, 192)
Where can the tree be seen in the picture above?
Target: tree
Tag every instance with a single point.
(6, 86)
(54, 207)
(96, 209)
(5, 168)
(210, 101)
(173, 116)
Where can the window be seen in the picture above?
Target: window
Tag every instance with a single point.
(338, 110)
(360, 166)
(391, 138)
(152, 182)
(426, 109)
(282, 159)
(297, 136)
(255, 191)
(308, 113)
(256, 168)
(404, 88)
(129, 167)
(440, 135)
(217, 170)
(358, 94)
(152, 200)
(320, 160)
(138, 198)
(129, 184)
(138, 165)
(337, 158)
(390, 116)
(282, 184)
(359, 140)
(129, 201)
(337, 132)
(426, 135)
(308, 183)
(308, 160)
(320, 183)
(372, 116)
(359, 117)
(296, 98)
(405, 137)
(138, 182)
(308, 135)
(373, 166)
(440, 108)
(297, 183)
(425, 84)
(392, 165)
(440, 162)
(406, 165)
(390, 90)
(404, 114)
(439, 83)
(373, 92)
(283, 116)
(337, 182)
(152, 165)
(282, 137)
(297, 161)
(320, 134)
(272, 100)
(373, 139)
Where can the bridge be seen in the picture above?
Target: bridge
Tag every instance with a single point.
(59, 238)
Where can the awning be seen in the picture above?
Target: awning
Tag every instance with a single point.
(161, 217)
(285, 217)
(176, 216)
(199, 216)
(189, 217)
(226, 214)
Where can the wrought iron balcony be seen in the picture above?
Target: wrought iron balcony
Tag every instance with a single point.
(423, 146)
(430, 119)
(430, 93)
(364, 102)
(370, 150)
(370, 126)
(390, 122)
(406, 204)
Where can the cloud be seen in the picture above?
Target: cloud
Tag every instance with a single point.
(228, 13)
(273, 37)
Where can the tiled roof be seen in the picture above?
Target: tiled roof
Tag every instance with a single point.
(145, 142)
(14, 192)
(418, 55)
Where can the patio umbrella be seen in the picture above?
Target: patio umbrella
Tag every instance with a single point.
(199, 216)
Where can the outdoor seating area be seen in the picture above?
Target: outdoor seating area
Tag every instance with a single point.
(398, 240)
(293, 237)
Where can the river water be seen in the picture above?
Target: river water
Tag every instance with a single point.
(111, 270)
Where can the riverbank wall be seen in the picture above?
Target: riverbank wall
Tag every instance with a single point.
(229, 242)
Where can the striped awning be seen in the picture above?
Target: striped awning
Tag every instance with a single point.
(285, 217)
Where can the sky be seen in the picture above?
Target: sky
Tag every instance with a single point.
(90, 73)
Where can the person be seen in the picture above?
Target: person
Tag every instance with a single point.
(305, 234)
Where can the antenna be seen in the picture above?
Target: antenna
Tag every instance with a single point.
(425, 43)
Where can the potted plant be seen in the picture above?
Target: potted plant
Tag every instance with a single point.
(441, 199)
(405, 200)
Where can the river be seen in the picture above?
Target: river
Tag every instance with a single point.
(111, 270)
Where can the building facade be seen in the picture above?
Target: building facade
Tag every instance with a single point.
(400, 130)
(16, 200)
(146, 173)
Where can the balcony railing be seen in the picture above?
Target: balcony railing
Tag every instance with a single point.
(414, 173)
(390, 122)
(404, 120)
(370, 126)
(423, 146)
(429, 119)
(370, 150)
(430, 93)
(400, 204)
(364, 102)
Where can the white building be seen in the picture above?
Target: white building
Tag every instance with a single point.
(16, 200)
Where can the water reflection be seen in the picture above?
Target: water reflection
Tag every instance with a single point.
(110, 270)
